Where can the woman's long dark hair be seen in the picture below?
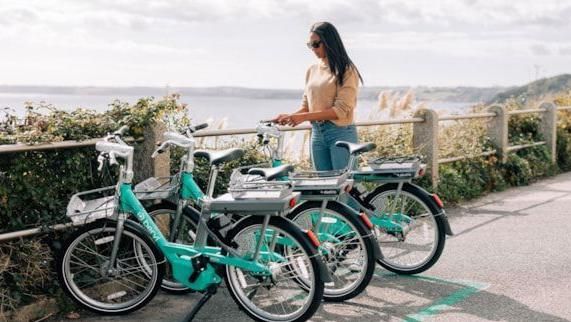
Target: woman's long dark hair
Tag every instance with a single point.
(339, 61)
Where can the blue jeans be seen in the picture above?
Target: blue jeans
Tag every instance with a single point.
(324, 154)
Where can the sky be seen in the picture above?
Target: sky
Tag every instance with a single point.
(261, 44)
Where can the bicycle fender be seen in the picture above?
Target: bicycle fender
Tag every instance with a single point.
(447, 228)
(376, 249)
(440, 211)
(324, 272)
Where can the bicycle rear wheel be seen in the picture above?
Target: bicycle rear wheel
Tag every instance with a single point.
(87, 276)
(277, 296)
(410, 233)
(348, 246)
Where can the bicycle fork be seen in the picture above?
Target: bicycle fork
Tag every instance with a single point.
(119, 228)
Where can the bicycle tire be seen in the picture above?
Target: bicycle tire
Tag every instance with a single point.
(108, 227)
(429, 205)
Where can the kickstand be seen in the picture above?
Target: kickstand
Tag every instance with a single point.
(205, 297)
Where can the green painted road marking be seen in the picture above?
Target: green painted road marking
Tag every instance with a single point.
(467, 289)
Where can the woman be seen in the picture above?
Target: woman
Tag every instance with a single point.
(329, 99)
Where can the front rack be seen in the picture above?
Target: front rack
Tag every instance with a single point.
(88, 206)
(156, 188)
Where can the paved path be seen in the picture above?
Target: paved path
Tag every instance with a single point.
(510, 260)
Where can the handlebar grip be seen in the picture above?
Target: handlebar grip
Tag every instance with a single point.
(157, 152)
(162, 148)
(121, 131)
(198, 127)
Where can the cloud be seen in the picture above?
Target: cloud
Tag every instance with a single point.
(387, 13)
(540, 50)
(451, 43)
(155, 32)
(17, 16)
(565, 51)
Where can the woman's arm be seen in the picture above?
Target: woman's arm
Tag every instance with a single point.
(325, 115)
(283, 118)
(302, 109)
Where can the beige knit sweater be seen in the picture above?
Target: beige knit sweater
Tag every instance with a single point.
(323, 92)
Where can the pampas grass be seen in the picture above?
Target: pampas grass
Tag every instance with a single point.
(462, 137)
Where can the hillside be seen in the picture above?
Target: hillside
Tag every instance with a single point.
(536, 90)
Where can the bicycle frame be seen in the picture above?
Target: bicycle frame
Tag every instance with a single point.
(182, 257)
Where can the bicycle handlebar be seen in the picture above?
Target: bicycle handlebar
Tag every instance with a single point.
(112, 150)
(121, 131)
(198, 127)
(177, 139)
(267, 129)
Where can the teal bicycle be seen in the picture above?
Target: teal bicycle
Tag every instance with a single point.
(113, 265)
(348, 246)
(410, 224)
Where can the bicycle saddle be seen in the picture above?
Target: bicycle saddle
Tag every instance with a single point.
(272, 173)
(218, 157)
(356, 148)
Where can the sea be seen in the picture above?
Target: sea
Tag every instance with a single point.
(220, 112)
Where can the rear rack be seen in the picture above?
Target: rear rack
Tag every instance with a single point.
(393, 160)
(257, 197)
(252, 206)
(319, 180)
(391, 168)
(259, 189)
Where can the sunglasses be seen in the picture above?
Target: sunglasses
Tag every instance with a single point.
(314, 44)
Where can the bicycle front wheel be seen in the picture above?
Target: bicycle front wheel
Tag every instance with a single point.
(91, 280)
(409, 231)
(277, 296)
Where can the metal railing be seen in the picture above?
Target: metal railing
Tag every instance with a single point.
(425, 138)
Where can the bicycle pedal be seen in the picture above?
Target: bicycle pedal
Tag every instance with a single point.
(199, 264)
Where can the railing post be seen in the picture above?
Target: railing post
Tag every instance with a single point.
(425, 141)
(144, 165)
(549, 128)
(498, 131)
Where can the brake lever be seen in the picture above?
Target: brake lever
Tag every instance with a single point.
(160, 149)
(100, 159)
(112, 159)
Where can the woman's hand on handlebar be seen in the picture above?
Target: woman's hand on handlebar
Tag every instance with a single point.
(281, 119)
(296, 119)
(290, 119)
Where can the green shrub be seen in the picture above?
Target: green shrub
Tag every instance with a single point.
(35, 186)
(563, 149)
